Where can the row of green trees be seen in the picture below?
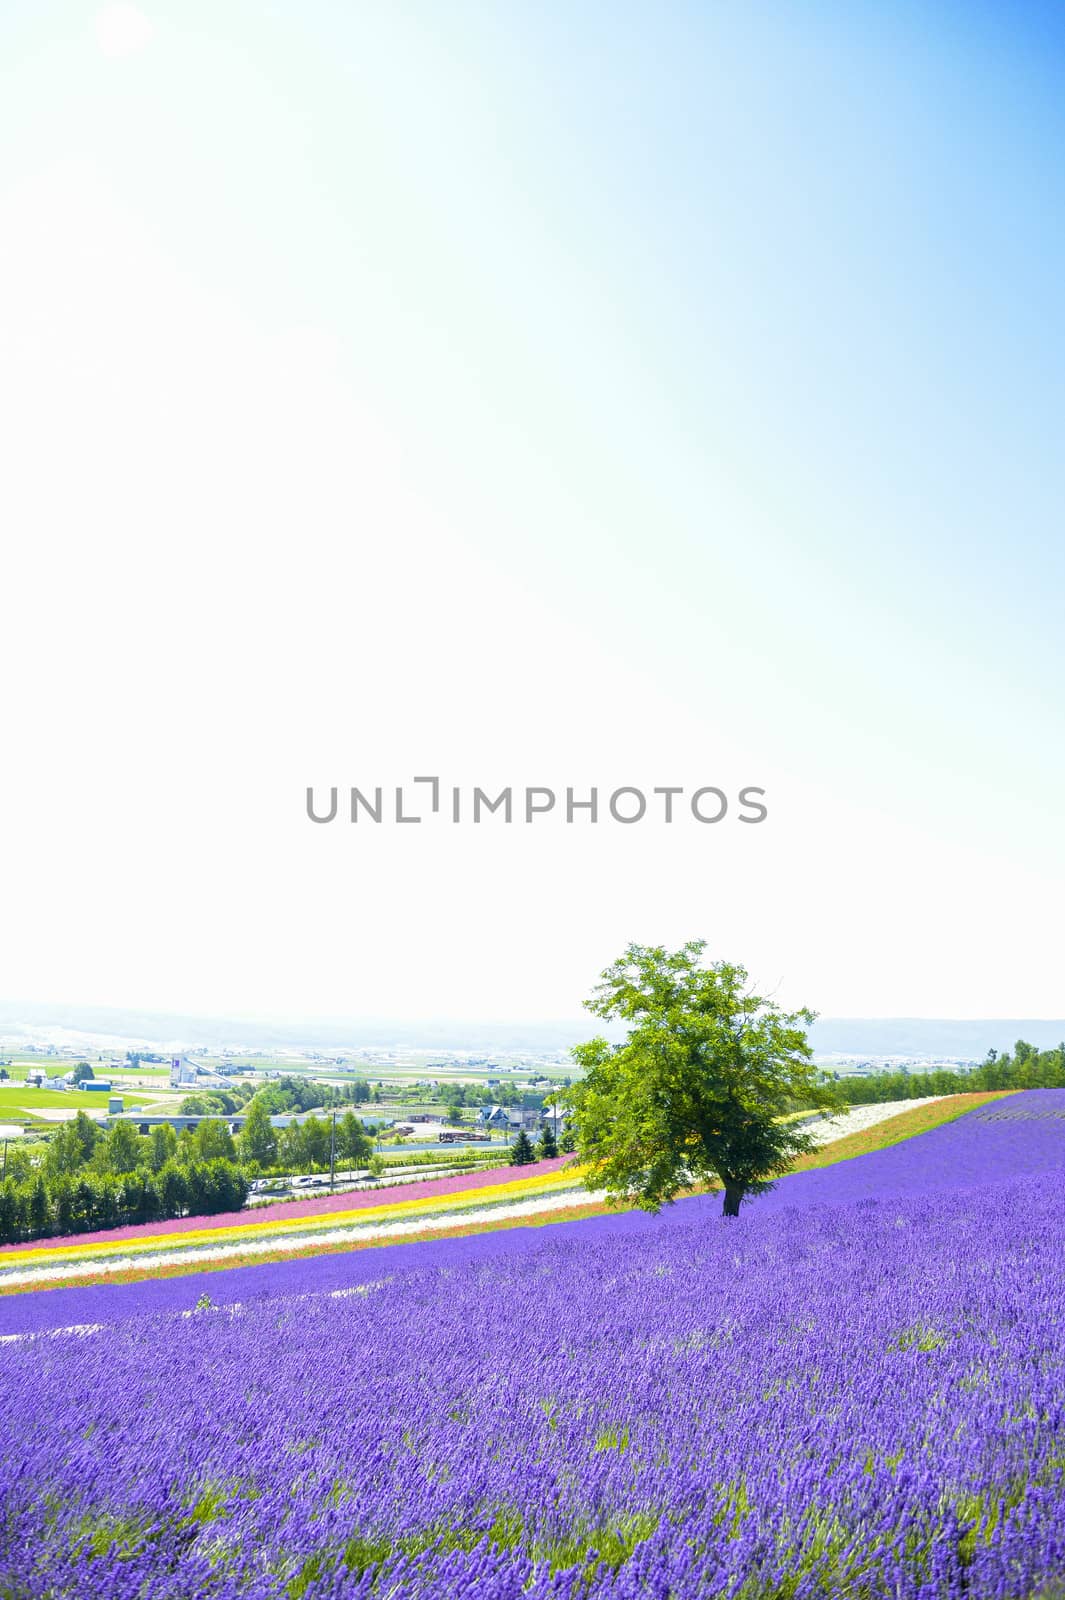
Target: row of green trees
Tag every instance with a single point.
(277, 1097)
(472, 1095)
(37, 1206)
(217, 1102)
(259, 1146)
(302, 1146)
(1024, 1068)
(81, 1145)
(304, 1094)
(87, 1177)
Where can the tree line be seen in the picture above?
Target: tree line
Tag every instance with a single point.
(281, 1096)
(1024, 1068)
(306, 1146)
(90, 1178)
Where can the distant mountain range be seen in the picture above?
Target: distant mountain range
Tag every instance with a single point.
(179, 1029)
(918, 1037)
(930, 1036)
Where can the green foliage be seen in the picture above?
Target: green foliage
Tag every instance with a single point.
(304, 1094)
(521, 1151)
(317, 1141)
(695, 1091)
(547, 1148)
(217, 1102)
(215, 1186)
(38, 1205)
(164, 1145)
(473, 1095)
(83, 1071)
(354, 1145)
(1026, 1068)
(120, 1149)
(258, 1137)
(18, 1162)
(307, 1146)
(211, 1103)
(173, 1189)
(291, 1149)
(69, 1203)
(920, 1337)
(71, 1146)
(213, 1141)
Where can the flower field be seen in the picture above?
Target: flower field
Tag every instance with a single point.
(431, 1209)
(856, 1389)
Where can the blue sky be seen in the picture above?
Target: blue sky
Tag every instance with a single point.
(551, 395)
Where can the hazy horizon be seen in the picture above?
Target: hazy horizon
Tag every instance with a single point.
(903, 1036)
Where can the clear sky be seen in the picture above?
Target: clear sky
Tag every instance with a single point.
(531, 394)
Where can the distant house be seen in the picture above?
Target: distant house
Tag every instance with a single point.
(509, 1119)
(528, 1118)
(493, 1117)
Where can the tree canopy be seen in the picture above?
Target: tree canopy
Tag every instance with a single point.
(521, 1151)
(1026, 1068)
(547, 1146)
(697, 1090)
(258, 1137)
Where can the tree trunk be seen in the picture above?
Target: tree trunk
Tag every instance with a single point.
(733, 1196)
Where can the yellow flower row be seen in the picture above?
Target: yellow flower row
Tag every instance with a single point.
(397, 1210)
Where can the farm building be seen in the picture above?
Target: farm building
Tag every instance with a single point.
(510, 1119)
(186, 1074)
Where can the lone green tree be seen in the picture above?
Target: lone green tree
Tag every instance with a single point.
(547, 1148)
(521, 1151)
(697, 1090)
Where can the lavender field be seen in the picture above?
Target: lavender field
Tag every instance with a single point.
(858, 1389)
